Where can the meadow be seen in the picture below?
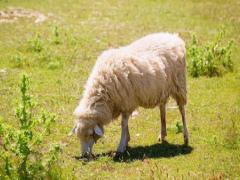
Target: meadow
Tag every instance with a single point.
(58, 54)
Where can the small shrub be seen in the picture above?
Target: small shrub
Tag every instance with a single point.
(22, 152)
(56, 38)
(36, 44)
(211, 59)
(179, 128)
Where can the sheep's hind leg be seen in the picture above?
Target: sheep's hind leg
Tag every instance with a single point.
(128, 135)
(185, 130)
(163, 133)
(125, 137)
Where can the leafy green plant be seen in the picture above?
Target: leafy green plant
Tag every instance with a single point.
(23, 153)
(36, 44)
(179, 127)
(211, 59)
(56, 39)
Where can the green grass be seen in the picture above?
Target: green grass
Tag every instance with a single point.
(59, 70)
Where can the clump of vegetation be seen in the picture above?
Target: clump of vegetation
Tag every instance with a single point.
(211, 59)
(56, 38)
(23, 154)
(179, 127)
(36, 44)
(41, 53)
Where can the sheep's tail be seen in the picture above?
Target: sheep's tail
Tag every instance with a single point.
(183, 86)
(180, 91)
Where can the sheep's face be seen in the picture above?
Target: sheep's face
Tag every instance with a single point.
(88, 135)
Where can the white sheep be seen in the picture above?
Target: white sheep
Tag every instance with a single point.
(144, 73)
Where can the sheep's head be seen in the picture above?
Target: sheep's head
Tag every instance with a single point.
(88, 132)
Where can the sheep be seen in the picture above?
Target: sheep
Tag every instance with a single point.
(143, 74)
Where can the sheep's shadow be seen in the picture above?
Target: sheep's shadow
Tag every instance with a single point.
(164, 150)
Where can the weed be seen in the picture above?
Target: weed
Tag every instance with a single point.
(179, 128)
(22, 154)
(36, 44)
(56, 38)
(211, 59)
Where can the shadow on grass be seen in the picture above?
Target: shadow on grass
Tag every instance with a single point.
(164, 150)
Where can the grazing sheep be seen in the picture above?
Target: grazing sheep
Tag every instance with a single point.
(144, 73)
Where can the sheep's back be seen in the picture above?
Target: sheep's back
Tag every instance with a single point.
(155, 67)
(143, 74)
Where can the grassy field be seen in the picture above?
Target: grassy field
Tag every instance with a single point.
(58, 56)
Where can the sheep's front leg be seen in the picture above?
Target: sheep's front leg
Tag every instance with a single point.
(163, 133)
(125, 136)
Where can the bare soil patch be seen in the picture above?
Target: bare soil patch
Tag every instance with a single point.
(13, 14)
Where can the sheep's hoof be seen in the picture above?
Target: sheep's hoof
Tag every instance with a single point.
(87, 156)
(118, 156)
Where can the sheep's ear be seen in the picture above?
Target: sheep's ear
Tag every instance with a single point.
(74, 129)
(98, 131)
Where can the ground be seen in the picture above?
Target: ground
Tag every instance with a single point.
(59, 53)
